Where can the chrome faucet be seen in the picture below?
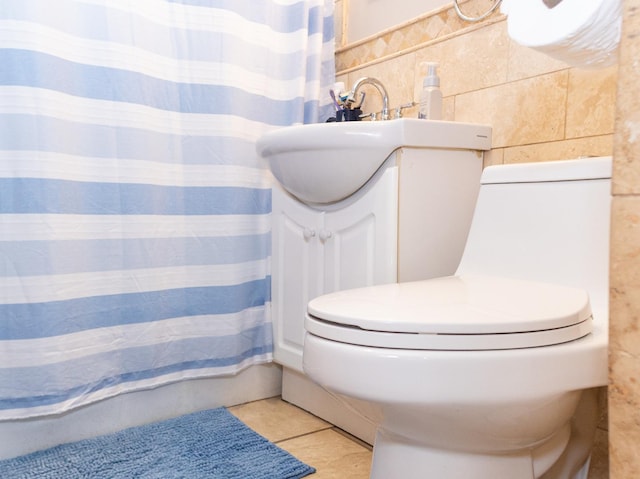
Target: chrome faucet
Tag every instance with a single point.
(381, 89)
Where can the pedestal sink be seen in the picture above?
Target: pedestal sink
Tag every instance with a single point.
(327, 162)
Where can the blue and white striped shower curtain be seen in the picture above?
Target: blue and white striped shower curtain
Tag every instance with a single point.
(134, 213)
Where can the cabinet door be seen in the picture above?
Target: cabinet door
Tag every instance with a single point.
(296, 274)
(360, 240)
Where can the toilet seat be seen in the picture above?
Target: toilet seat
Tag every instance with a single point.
(453, 313)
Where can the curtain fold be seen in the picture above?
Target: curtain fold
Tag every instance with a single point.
(134, 212)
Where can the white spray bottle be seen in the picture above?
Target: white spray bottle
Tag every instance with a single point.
(431, 96)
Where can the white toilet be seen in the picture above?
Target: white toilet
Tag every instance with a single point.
(491, 373)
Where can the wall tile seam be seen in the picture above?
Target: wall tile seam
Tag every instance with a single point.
(617, 194)
(508, 150)
(511, 76)
(417, 47)
(513, 82)
(567, 94)
(506, 82)
(562, 140)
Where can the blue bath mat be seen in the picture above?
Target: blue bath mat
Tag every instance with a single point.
(211, 444)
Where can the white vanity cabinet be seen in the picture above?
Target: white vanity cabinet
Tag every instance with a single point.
(317, 250)
(408, 222)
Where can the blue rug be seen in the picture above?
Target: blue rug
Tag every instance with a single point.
(211, 444)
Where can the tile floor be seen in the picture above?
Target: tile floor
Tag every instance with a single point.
(334, 453)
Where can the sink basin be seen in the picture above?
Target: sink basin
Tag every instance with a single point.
(327, 162)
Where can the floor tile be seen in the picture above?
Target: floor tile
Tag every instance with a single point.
(276, 419)
(334, 455)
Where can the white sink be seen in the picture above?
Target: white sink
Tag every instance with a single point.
(327, 162)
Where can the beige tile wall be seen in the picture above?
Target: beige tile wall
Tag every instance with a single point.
(624, 343)
(540, 110)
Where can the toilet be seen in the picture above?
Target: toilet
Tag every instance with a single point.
(494, 372)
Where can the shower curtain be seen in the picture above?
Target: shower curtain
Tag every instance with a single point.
(134, 212)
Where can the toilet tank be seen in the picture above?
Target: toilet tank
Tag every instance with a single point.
(545, 221)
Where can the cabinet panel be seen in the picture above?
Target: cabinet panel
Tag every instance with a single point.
(350, 255)
(316, 252)
(361, 248)
(296, 274)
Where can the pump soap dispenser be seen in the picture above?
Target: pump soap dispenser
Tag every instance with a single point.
(431, 96)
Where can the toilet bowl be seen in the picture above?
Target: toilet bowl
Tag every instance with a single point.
(490, 373)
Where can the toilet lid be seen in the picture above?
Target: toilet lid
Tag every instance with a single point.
(454, 313)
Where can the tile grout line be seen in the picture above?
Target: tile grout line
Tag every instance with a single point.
(329, 426)
(353, 438)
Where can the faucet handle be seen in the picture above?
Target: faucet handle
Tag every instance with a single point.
(371, 116)
(398, 109)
